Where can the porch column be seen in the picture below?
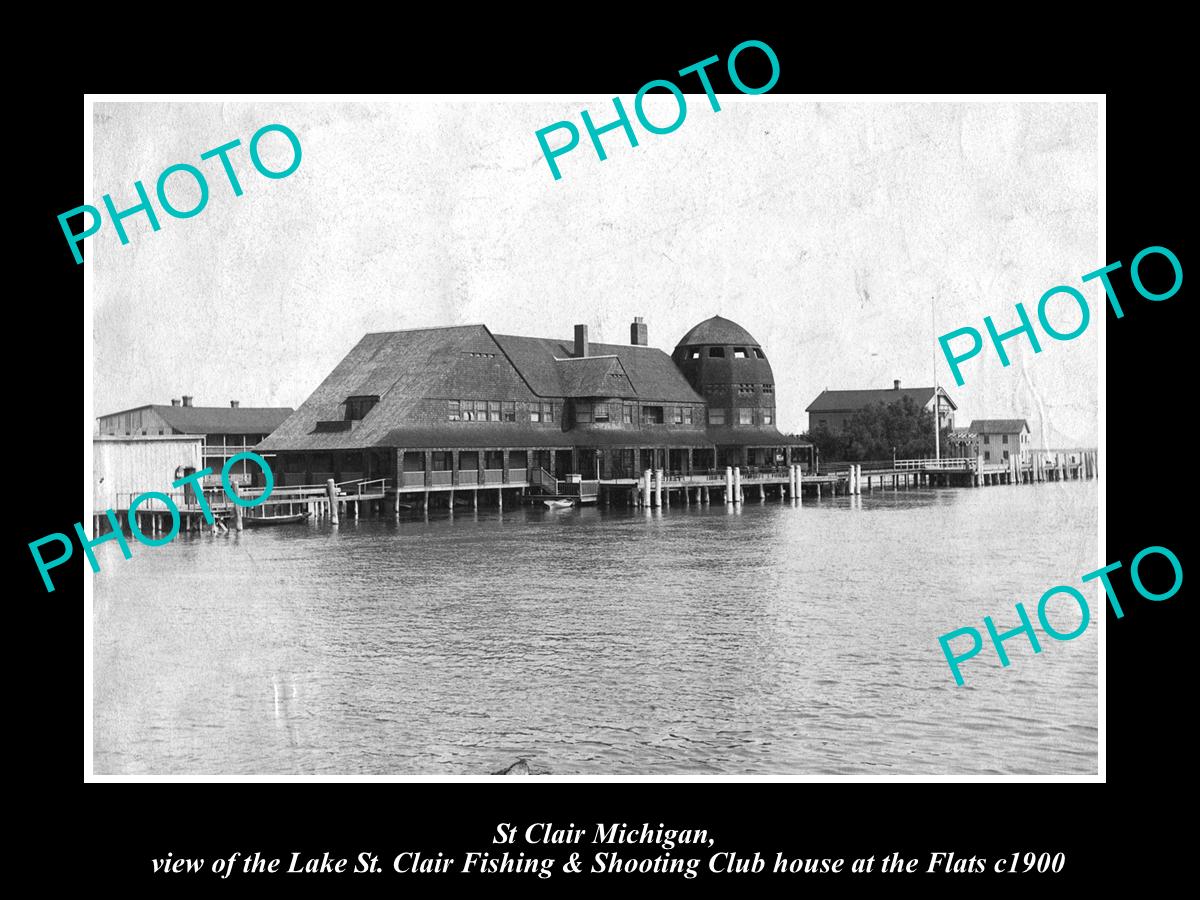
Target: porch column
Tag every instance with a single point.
(428, 467)
(689, 462)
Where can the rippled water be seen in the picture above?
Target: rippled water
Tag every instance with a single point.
(770, 639)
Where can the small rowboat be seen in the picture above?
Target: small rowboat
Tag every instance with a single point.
(559, 504)
(262, 521)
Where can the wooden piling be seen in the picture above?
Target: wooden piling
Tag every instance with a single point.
(728, 484)
(237, 507)
(331, 489)
(658, 484)
(737, 484)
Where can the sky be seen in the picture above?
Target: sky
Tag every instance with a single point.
(836, 234)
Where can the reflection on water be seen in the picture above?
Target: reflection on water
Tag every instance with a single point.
(763, 639)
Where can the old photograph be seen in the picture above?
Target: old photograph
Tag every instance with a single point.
(428, 447)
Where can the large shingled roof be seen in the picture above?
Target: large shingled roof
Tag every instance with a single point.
(404, 367)
(550, 369)
(718, 330)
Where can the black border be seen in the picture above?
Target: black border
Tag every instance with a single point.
(112, 831)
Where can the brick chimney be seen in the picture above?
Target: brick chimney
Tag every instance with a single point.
(581, 340)
(637, 332)
(187, 401)
(174, 401)
(234, 404)
(896, 384)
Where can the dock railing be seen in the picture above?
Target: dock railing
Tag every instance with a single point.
(363, 487)
(544, 480)
(960, 463)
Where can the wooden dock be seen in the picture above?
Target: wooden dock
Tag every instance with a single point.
(653, 488)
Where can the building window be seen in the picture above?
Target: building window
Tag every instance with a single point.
(583, 413)
(715, 388)
(739, 353)
(627, 413)
(455, 413)
(535, 412)
(468, 410)
(694, 355)
(987, 439)
(987, 454)
(493, 410)
(1004, 439)
(824, 423)
(745, 417)
(678, 418)
(509, 411)
(716, 352)
(768, 388)
(550, 411)
(716, 417)
(759, 354)
(687, 415)
(746, 389)
(767, 417)
(358, 407)
(652, 415)
(600, 412)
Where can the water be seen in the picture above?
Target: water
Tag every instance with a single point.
(765, 640)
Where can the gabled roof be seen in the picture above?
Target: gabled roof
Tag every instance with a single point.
(549, 368)
(850, 401)
(219, 419)
(403, 368)
(998, 426)
(594, 376)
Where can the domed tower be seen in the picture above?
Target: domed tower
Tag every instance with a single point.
(728, 367)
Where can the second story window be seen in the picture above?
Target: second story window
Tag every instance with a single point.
(583, 413)
(628, 411)
(1004, 439)
(679, 415)
(716, 417)
(510, 411)
(652, 415)
(455, 410)
(600, 412)
(687, 415)
(745, 417)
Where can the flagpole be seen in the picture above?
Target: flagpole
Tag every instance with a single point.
(937, 402)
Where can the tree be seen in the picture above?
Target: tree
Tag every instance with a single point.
(878, 430)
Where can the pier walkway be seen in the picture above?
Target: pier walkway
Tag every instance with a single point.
(653, 488)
